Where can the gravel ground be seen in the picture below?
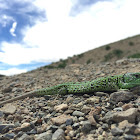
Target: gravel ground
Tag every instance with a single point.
(97, 116)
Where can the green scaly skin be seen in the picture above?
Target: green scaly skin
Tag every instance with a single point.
(110, 83)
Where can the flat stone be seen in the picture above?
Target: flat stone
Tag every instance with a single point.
(7, 89)
(44, 136)
(18, 117)
(124, 124)
(101, 94)
(93, 100)
(4, 126)
(86, 127)
(92, 120)
(1, 114)
(130, 115)
(75, 125)
(85, 109)
(137, 131)
(116, 131)
(129, 137)
(25, 137)
(68, 129)
(58, 135)
(60, 119)
(53, 128)
(121, 96)
(61, 107)
(77, 113)
(118, 109)
(127, 106)
(1, 95)
(26, 127)
(69, 99)
(10, 135)
(71, 133)
(95, 110)
(69, 121)
(8, 109)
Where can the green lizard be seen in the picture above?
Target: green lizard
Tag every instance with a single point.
(110, 83)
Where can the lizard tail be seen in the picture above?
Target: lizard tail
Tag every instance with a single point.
(29, 94)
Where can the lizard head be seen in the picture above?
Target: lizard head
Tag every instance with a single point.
(133, 78)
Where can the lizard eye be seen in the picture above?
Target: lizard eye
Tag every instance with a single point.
(137, 76)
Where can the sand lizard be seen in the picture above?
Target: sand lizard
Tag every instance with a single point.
(110, 83)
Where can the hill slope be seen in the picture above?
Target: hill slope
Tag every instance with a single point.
(99, 115)
(126, 48)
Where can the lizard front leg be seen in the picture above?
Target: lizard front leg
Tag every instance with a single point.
(128, 85)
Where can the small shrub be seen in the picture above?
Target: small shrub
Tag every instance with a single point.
(88, 61)
(112, 54)
(62, 64)
(73, 61)
(118, 53)
(50, 67)
(136, 55)
(107, 47)
(80, 55)
(108, 56)
(131, 43)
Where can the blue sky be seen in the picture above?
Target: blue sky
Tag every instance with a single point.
(34, 33)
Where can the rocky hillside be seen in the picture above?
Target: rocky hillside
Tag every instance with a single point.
(96, 116)
(126, 48)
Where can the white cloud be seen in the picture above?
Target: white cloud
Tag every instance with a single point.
(63, 35)
(12, 71)
(13, 28)
(3, 5)
(5, 19)
(102, 23)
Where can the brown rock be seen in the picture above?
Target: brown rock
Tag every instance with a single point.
(25, 111)
(61, 107)
(96, 110)
(67, 138)
(68, 129)
(18, 118)
(25, 127)
(9, 109)
(85, 109)
(69, 99)
(137, 131)
(120, 96)
(93, 100)
(127, 106)
(60, 119)
(68, 111)
(129, 115)
(92, 120)
(7, 89)
(124, 124)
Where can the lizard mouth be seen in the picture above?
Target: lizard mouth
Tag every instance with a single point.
(136, 84)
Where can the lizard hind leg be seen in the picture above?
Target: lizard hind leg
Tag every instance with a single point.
(62, 90)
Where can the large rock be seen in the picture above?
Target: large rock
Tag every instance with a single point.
(121, 96)
(9, 109)
(130, 115)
